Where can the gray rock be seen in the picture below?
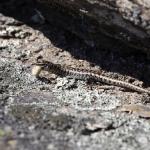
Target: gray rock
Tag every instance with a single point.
(103, 22)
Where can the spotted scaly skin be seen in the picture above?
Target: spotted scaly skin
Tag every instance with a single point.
(84, 74)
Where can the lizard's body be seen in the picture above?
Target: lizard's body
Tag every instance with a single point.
(84, 74)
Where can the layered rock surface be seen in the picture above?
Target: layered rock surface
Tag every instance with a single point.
(101, 22)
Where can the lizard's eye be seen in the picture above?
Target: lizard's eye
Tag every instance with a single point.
(46, 66)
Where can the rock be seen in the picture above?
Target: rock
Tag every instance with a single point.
(112, 24)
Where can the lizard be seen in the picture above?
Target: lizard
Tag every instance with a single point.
(82, 74)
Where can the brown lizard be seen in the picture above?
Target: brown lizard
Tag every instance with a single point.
(82, 74)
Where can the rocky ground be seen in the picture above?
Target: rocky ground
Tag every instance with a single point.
(60, 113)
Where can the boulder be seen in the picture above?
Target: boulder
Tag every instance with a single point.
(113, 24)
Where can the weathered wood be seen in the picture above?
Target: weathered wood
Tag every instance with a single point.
(101, 22)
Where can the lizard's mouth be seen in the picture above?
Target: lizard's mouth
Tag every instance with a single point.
(39, 64)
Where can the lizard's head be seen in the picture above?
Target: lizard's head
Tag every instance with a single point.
(41, 65)
(45, 65)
